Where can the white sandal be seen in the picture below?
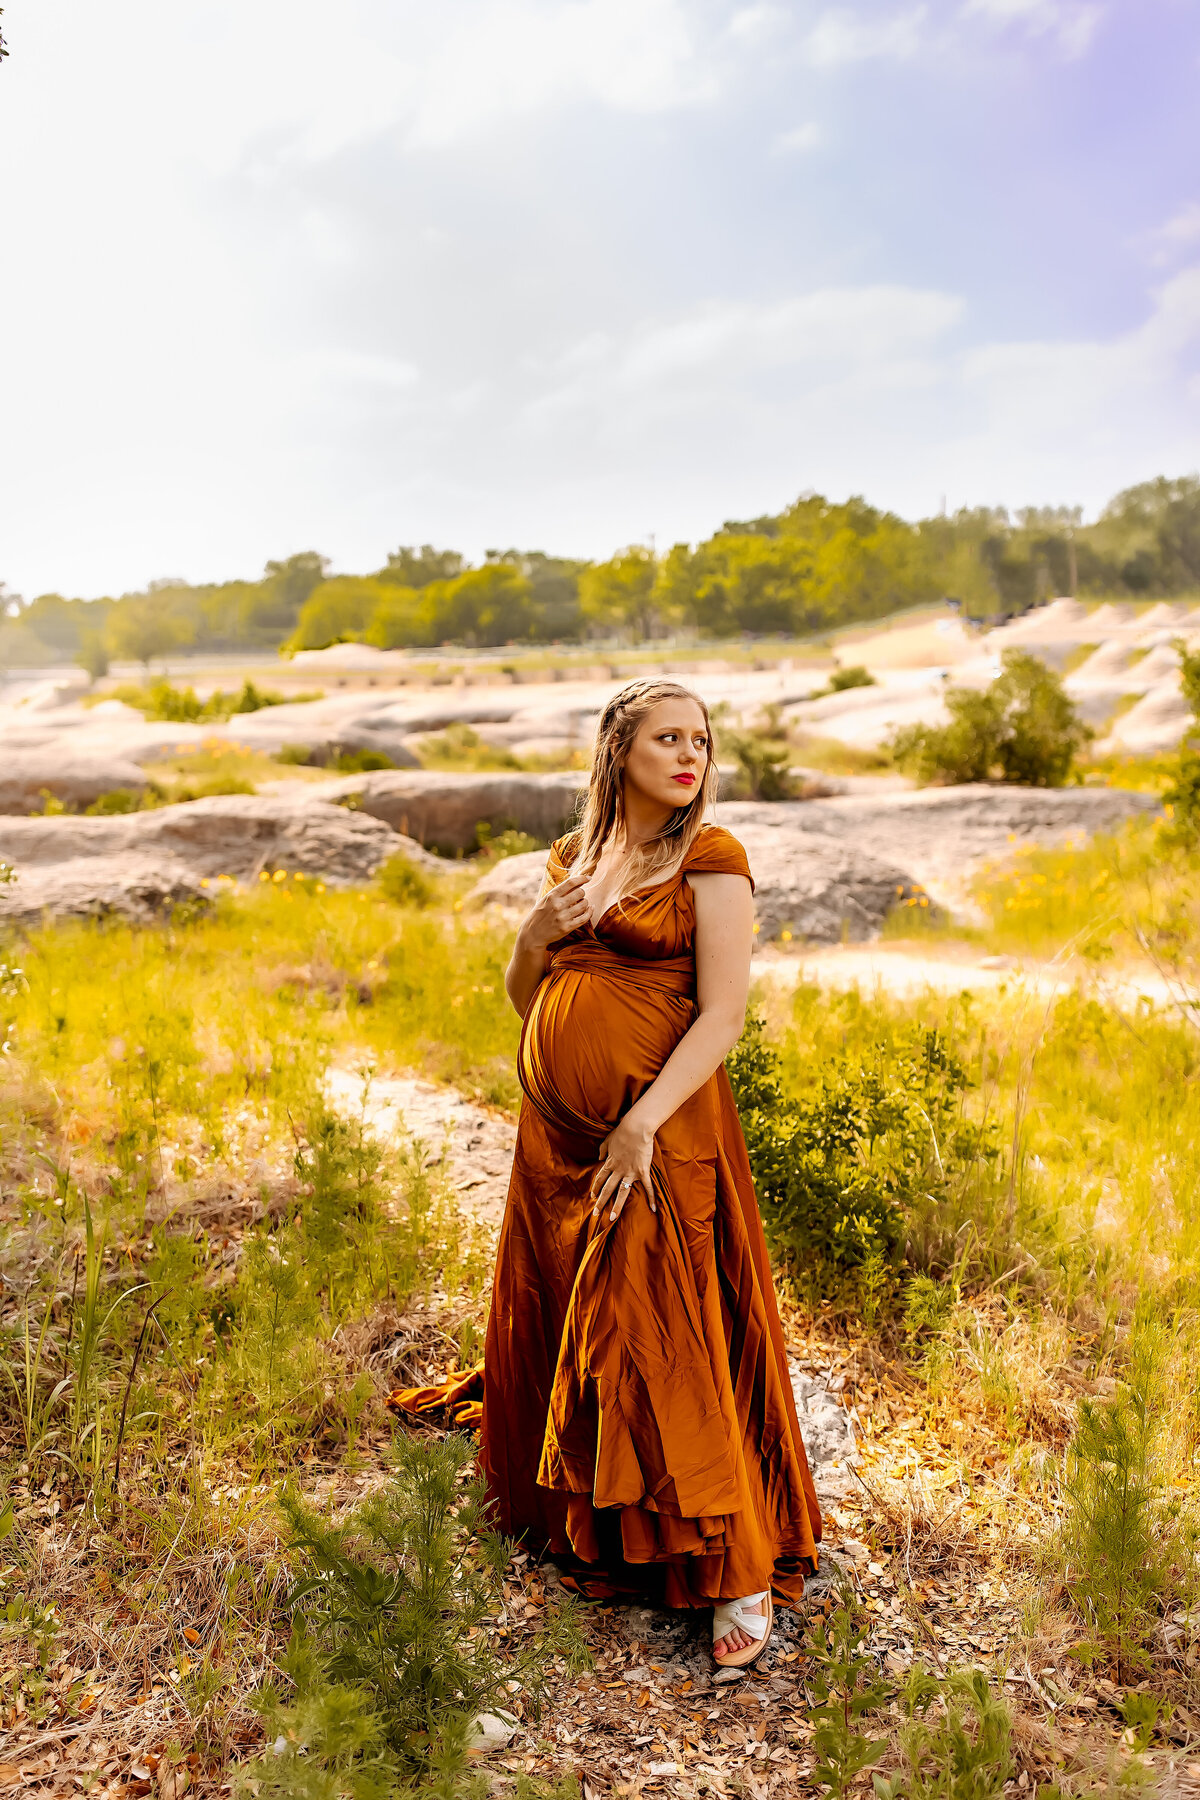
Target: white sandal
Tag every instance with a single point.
(743, 1615)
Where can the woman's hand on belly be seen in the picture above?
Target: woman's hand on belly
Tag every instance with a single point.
(625, 1157)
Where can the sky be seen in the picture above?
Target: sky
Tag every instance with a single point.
(571, 274)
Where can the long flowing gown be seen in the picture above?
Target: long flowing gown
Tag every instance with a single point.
(637, 1414)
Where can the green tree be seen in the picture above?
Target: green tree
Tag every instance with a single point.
(619, 595)
(284, 589)
(338, 611)
(92, 654)
(489, 605)
(143, 626)
(412, 568)
(401, 617)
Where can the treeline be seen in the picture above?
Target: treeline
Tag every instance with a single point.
(814, 566)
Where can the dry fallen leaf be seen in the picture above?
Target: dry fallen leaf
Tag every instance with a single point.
(173, 1781)
(9, 1774)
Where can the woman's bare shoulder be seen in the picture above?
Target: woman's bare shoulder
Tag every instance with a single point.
(717, 852)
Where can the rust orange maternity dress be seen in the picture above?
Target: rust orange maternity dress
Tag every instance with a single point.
(637, 1410)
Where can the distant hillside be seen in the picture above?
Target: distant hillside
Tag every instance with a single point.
(812, 567)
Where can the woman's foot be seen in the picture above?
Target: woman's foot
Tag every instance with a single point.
(741, 1630)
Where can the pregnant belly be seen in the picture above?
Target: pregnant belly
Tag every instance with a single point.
(592, 1044)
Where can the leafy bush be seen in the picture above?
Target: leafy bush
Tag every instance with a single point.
(1023, 729)
(403, 882)
(1182, 796)
(763, 758)
(856, 677)
(117, 800)
(160, 701)
(358, 762)
(495, 845)
(394, 1650)
(460, 746)
(849, 1175)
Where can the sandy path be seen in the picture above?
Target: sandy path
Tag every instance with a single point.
(906, 972)
(471, 1144)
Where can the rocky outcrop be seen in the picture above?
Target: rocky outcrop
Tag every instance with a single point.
(139, 863)
(939, 837)
(819, 892)
(136, 888)
(832, 869)
(443, 811)
(514, 881)
(27, 777)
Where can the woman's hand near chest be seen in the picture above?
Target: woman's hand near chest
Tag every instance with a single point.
(560, 911)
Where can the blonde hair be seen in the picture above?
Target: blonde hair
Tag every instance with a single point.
(604, 804)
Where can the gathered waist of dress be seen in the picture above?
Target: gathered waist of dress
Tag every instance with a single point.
(667, 974)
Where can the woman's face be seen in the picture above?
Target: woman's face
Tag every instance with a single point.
(668, 758)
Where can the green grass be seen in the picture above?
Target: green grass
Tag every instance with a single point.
(213, 1283)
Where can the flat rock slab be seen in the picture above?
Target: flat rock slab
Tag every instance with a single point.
(175, 851)
(27, 776)
(444, 810)
(137, 888)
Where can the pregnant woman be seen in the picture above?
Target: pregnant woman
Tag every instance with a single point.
(637, 1413)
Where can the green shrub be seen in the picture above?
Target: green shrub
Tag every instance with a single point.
(1181, 797)
(460, 746)
(1022, 729)
(359, 762)
(208, 787)
(117, 800)
(405, 884)
(856, 677)
(957, 1743)
(843, 1694)
(295, 755)
(160, 701)
(394, 1650)
(495, 845)
(850, 1174)
(1120, 1534)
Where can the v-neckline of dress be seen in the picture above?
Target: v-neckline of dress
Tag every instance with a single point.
(648, 888)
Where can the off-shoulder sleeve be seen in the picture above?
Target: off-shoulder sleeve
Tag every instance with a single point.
(562, 850)
(717, 852)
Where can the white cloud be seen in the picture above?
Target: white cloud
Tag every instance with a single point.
(1071, 23)
(491, 271)
(843, 36)
(1176, 235)
(800, 138)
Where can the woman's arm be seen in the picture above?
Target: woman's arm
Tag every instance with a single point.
(724, 940)
(560, 911)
